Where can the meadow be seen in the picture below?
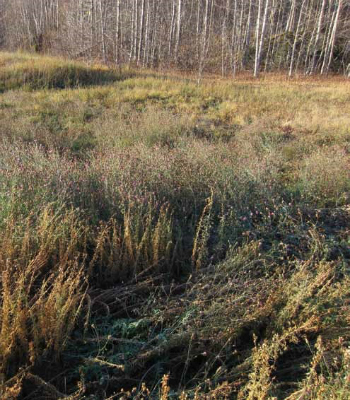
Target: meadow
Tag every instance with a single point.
(161, 239)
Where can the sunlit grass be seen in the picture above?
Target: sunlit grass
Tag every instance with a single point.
(112, 196)
(32, 72)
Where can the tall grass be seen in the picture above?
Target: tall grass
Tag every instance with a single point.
(42, 287)
(32, 73)
(148, 227)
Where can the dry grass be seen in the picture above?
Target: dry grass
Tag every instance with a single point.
(169, 239)
(41, 288)
(28, 72)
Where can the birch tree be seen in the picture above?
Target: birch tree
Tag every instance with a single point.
(260, 37)
(221, 35)
(296, 37)
(178, 29)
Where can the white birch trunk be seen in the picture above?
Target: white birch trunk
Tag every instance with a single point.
(319, 25)
(178, 29)
(296, 39)
(261, 42)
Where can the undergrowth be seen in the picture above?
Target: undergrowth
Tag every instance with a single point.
(161, 239)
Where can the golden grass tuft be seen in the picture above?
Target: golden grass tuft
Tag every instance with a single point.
(41, 289)
(32, 73)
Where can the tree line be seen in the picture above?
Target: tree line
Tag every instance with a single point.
(226, 36)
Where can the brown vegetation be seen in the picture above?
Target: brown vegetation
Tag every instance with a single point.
(161, 239)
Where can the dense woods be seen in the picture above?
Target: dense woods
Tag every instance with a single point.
(221, 36)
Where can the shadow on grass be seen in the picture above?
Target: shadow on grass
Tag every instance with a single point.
(53, 73)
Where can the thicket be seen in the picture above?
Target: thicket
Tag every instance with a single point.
(226, 36)
(163, 240)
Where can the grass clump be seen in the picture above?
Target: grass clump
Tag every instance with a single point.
(164, 240)
(33, 73)
(325, 176)
(41, 291)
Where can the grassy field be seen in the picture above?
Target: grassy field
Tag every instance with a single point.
(161, 239)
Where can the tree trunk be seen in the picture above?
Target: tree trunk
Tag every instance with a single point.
(178, 29)
(296, 36)
(260, 42)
